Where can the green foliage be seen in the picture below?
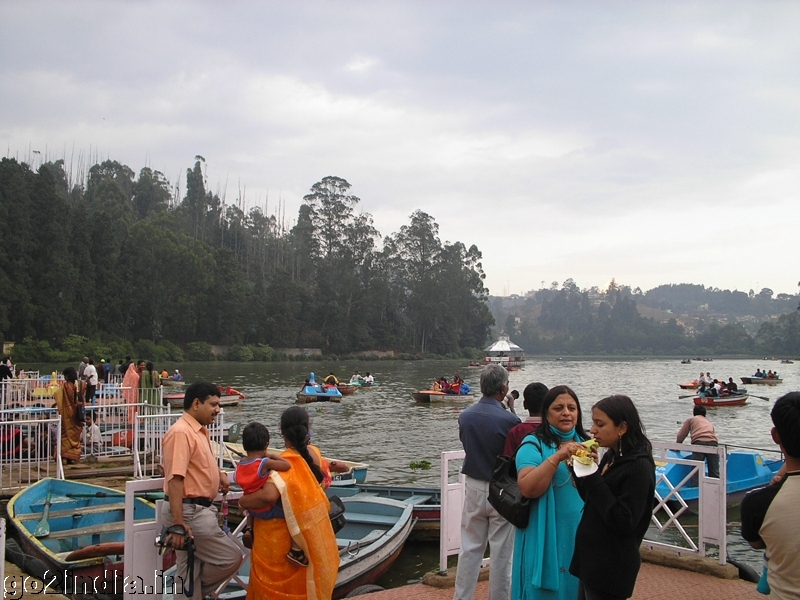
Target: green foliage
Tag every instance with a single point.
(422, 465)
(199, 351)
(240, 354)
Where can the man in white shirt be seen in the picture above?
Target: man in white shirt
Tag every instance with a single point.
(90, 379)
(369, 379)
(91, 439)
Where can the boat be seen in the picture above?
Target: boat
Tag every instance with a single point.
(347, 388)
(761, 380)
(689, 385)
(732, 400)
(228, 397)
(506, 353)
(787, 361)
(369, 543)
(426, 504)
(318, 393)
(76, 528)
(745, 471)
(439, 396)
(356, 473)
(172, 383)
(686, 361)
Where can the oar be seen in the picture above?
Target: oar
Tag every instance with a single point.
(43, 527)
(154, 494)
(689, 396)
(759, 397)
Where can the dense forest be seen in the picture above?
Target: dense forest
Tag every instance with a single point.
(116, 264)
(696, 321)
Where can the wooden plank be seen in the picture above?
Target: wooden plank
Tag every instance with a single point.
(91, 530)
(78, 510)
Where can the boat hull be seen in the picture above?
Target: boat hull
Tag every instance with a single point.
(689, 385)
(303, 398)
(760, 381)
(81, 515)
(437, 396)
(723, 401)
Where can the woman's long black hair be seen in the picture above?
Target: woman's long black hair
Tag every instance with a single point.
(544, 433)
(620, 408)
(295, 428)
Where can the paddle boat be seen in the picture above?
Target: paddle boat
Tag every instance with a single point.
(745, 471)
(314, 392)
(440, 396)
(228, 397)
(761, 380)
(369, 543)
(76, 528)
(787, 361)
(686, 361)
(732, 400)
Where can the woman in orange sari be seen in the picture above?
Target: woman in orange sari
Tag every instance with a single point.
(66, 401)
(305, 509)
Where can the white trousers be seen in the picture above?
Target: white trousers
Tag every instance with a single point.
(482, 524)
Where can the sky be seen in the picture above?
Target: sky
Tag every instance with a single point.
(649, 142)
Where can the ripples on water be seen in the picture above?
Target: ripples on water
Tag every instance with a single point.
(384, 427)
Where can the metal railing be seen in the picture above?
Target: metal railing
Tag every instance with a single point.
(29, 450)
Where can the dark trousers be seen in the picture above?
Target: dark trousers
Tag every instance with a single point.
(712, 460)
(90, 390)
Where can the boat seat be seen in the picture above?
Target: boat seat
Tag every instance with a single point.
(356, 517)
(91, 530)
(77, 510)
(417, 499)
(373, 535)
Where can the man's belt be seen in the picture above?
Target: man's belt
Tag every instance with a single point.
(201, 501)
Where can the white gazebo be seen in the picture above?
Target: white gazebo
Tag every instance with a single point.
(506, 353)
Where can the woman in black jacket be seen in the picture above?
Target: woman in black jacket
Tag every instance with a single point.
(619, 501)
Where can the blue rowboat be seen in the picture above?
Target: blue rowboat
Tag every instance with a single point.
(745, 471)
(84, 532)
(318, 393)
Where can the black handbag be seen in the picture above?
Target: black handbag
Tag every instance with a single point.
(336, 513)
(504, 494)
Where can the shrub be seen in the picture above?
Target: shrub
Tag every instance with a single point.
(240, 353)
(199, 351)
(171, 351)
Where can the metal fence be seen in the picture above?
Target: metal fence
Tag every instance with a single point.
(29, 450)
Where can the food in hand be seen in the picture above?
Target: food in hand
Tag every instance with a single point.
(584, 455)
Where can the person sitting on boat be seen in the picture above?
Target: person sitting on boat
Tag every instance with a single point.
(701, 432)
(759, 373)
(330, 379)
(723, 390)
(177, 376)
(702, 379)
(368, 379)
(356, 378)
(732, 387)
(717, 387)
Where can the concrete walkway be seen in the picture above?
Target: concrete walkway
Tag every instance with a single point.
(654, 583)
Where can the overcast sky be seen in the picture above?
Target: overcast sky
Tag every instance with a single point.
(651, 142)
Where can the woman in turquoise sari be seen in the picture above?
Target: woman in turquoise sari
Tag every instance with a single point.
(543, 550)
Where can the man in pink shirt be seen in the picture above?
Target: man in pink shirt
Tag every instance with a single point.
(701, 432)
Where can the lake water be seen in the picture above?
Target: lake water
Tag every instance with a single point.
(384, 427)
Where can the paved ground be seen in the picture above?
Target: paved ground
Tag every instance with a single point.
(655, 583)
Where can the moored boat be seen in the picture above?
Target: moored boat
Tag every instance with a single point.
(761, 380)
(745, 471)
(228, 397)
(76, 528)
(732, 400)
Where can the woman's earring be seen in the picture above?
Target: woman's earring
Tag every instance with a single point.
(620, 444)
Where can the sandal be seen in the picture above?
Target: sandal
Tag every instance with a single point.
(298, 557)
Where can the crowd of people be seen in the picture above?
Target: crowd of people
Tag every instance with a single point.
(766, 374)
(455, 387)
(715, 388)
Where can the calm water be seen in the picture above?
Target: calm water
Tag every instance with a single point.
(384, 427)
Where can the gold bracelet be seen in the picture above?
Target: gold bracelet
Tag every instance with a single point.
(552, 463)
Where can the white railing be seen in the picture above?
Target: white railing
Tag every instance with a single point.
(149, 433)
(711, 507)
(30, 449)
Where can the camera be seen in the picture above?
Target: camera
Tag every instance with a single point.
(163, 542)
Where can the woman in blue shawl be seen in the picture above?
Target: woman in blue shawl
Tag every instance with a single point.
(543, 550)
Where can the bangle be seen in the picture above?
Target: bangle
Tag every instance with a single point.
(552, 463)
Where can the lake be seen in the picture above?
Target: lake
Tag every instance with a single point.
(384, 427)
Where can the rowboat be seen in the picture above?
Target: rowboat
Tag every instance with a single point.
(369, 543)
(689, 385)
(347, 388)
(426, 504)
(732, 400)
(438, 396)
(761, 380)
(355, 474)
(172, 383)
(75, 528)
(745, 471)
(317, 393)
